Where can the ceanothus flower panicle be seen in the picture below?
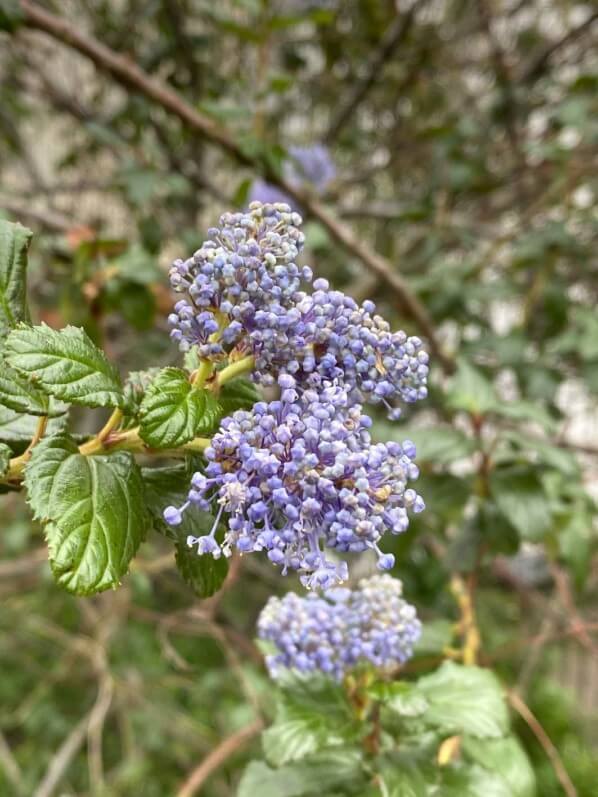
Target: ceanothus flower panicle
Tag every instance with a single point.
(243, 287)
(340, 629)
(247, 266)
(329, 337)
(301, 475)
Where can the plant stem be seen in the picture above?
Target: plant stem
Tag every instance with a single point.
(17, 465)
(203, 373)
(242, 366)
(112, 422)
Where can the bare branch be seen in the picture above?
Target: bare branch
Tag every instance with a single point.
(553, 754)
(393, 37)
(63, 759)
(217, 757)
(534, 70)
(130, 74)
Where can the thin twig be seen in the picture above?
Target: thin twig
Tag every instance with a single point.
(535, 69)
(62, 758)
(217, 757)
(395, 34)
(9, 765)
(129, 74)
(536, 728)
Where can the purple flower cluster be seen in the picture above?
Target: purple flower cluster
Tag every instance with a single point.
(300, 475)
(330, 338)
(341, 629)
(243, 289)
(245, 272)
(309, 166)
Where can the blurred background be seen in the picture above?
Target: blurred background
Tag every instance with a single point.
(445, 155)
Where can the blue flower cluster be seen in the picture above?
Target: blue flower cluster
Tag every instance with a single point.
(310, 166)
(242, 275)
(340, 630)
(300, 475)
(330, 338)
(244, 294)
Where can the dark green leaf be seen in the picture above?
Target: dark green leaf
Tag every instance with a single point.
(65, 364)
(16, 428)
(93, 509)
(11, 15)
(173, 411)
(20, 395)
(464, 700)
(14, 243)
(520, 497)
(136, 383)
(169, 486)
(240, 394)
(204, 574)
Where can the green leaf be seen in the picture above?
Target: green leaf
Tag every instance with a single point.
(11, 15)
(401, 780)
(94, 511)
(136, 384)
(204, 574)
(173, 411)
(20, 395)
(506, 758)
(14, 243)
(169, 486)
(308, 721)
(519, 495)
(472, 781)
(5, 455)
(436, 636)
(240, 394)
(320, 773)
(65, 364)
(464, 700)
(471, 391)
(16, 428)
(402, 698)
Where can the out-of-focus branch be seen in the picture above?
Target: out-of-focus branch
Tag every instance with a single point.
(538, 66)
(393, 37)
(217, 757)
(47, 219)
(553, 754)
(63, 758)
(130, 74)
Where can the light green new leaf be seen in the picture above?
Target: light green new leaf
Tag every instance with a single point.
(173, 411)
(506, 758)
(14, 243)
(5, 455)
(204, 574)
(319, 773)
(464, 700)
(471, 391)
(300, 729)
(65, 363)
(94, 511)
